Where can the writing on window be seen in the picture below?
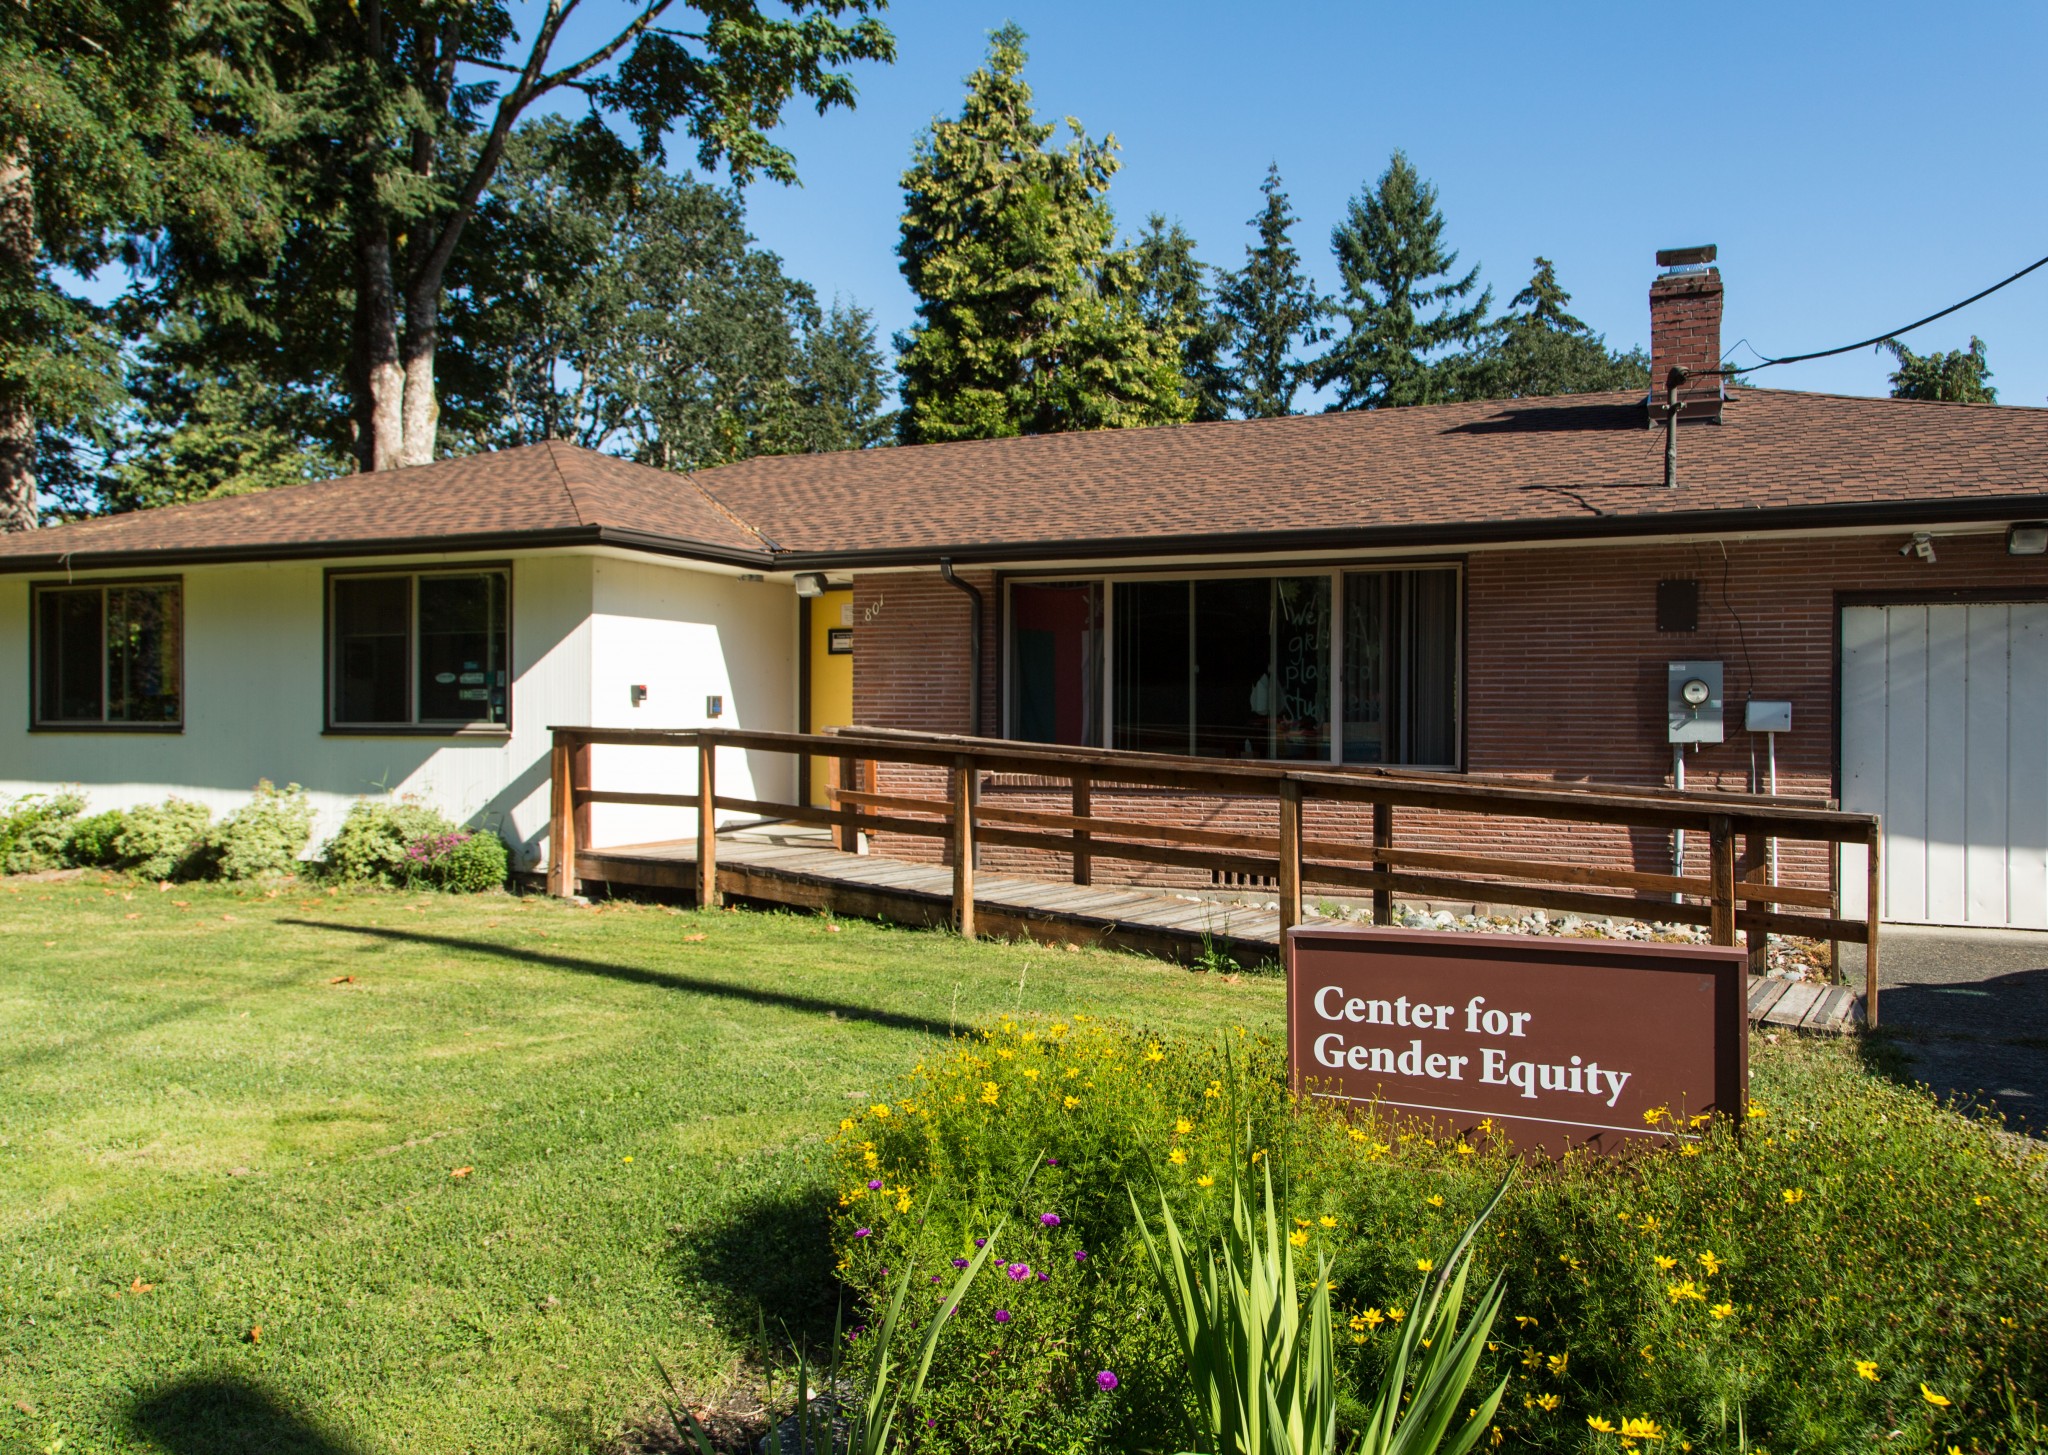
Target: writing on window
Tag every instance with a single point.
(419, 649)
(109, 655)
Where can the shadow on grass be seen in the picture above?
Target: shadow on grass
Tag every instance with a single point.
(636, 975)
(764, 1257)
(224, 1414)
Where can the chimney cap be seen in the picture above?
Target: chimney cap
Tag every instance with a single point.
(1686, 257)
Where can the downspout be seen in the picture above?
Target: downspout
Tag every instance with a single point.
(1676, 377)
(974, 610)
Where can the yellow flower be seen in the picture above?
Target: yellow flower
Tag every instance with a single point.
(1548, 1402)
(1600, 1425)
(1299, 1239)
(1757, 1110)
(990, 1091)
(1205, 1180)
(1711, 1261)
(1642, 1427)
(1178, 1156)
(1793, 1196)
(846, 1124)
(1866, 1369)
(1690, 1149)
(1526, 1321)
(1153, 1053)
(1465, 1149)
(1327, 1221)
(1215, 1089)
(879, 1109)
(1981, 1201)
(1372, 1318)
(1682, 1290)
(1665, 1265)
(903, 1204)
(1939, 1401)
(1396, 1313)
(1182, 1126)
(1435, 1199)
(1655, 1115)
(1423, 1265)
(1031, 1073)
(1357, 1135)
(1558, 1364)
(1072, 1102)
(1722, 1310)
(1533, 1359)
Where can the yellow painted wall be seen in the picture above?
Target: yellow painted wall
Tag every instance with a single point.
(831, 677)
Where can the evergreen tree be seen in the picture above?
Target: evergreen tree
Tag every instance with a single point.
(1173, 295)
(1403, 305)
(1028, 320)
(1271, 312)
(1961, 376)
(1538, 348)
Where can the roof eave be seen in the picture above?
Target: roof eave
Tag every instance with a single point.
(1699, 522)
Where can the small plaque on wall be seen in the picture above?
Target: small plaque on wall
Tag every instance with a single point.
(839, 641)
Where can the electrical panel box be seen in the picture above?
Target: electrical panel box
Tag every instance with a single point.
(1693, 700)
(1768, 717)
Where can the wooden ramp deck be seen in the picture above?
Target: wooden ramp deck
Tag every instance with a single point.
(799, 869)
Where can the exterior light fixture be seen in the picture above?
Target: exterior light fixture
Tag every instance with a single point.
(810, 583)
(2027, 538)
(1922, 545)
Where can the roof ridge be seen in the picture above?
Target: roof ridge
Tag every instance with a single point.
(767, 541)
(554, 455)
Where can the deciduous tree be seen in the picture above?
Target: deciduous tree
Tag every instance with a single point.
(1960, 376)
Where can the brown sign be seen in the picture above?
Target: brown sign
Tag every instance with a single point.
(1554, 1043)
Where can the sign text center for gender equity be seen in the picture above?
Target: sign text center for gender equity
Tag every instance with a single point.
(1492, 1065)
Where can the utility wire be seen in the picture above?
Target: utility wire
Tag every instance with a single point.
(1894, 333)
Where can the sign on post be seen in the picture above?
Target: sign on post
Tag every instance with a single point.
(1554, 1043)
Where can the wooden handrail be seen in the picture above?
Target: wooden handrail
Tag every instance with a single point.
(1733, 900)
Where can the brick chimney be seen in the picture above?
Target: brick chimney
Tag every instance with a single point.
(1685, 332)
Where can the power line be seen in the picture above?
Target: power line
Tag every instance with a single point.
(1894, 333)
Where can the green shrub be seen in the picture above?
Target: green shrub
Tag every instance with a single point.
(371, 846)
(464, 862)
(1716, 1296)
(264, 837)
(163, 840)
(91, 842)
(33, 830)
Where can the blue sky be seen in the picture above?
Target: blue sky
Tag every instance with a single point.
(1858, 165)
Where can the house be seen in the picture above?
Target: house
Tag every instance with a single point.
(1495, 587)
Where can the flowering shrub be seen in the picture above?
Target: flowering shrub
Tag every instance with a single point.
(459, 860)
(1793, 1284)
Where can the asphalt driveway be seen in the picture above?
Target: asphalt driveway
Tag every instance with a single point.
(1968, 1010)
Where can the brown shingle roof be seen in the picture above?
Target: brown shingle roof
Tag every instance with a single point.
(1581, 465)
(544, 492)
(1497, 469)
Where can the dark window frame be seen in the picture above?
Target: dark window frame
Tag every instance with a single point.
(413, 727)
(38, 590)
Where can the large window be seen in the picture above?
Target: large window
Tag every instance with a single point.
(419, 650)
(109, 655)
(1357, 667)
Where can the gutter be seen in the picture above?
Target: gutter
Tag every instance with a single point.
(974, 612)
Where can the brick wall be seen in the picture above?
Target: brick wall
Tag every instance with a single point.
(1565, 682)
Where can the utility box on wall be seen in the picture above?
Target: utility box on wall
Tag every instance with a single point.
(1692, 700)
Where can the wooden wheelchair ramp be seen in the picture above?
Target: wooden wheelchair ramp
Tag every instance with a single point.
(801, 870)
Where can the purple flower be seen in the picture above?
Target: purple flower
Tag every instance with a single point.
(862, 1232)
(1002, 1316)
(935, 1278)
(981, 1242)
(1106, 1381)
(959, 1262)
(1048, 1220)
(1019, 1272)
(874, 1184)
(1052, 1161)
(1043, 1276)
(1080, 1255)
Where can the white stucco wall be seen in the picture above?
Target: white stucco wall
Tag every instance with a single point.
(254, 706)
(686, 635)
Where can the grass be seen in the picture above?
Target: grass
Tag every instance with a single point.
(228, 1111)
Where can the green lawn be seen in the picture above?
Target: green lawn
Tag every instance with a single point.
(201, 1133)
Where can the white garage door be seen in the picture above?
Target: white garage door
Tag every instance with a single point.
(1945, 733)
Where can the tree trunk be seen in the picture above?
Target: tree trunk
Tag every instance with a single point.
(422, 401)
(17, 419)
(380, 401)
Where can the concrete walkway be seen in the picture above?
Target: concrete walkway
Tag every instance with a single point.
(1969, 1008)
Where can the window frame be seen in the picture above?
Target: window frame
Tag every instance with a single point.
(37, 590)
(1335, 569)
(331, 726)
